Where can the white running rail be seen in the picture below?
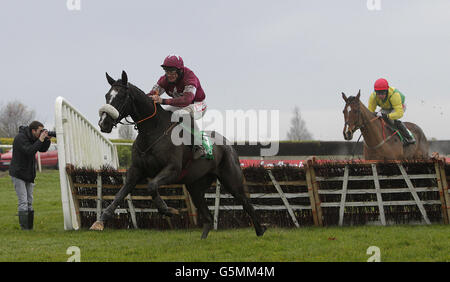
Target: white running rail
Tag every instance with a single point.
(81, 144)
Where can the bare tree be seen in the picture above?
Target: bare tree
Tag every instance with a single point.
(298, 130)
(13, 115)
(126, 132)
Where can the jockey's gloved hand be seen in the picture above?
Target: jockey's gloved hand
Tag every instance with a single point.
(382, 115)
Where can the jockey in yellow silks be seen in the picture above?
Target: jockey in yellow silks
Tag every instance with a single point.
(392, 104)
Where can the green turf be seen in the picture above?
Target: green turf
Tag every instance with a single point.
(49, 242)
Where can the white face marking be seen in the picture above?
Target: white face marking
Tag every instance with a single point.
(113, 94)
(102, 117)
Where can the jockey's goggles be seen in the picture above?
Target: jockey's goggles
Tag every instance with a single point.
(381, 92)
(170, 70)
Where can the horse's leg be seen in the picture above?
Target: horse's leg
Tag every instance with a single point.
(197, 192)
(232, 179)
(133, 176)
(167, 175)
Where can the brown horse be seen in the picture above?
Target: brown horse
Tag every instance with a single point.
(381, 141)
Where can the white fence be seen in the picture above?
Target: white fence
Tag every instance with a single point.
(79, 143)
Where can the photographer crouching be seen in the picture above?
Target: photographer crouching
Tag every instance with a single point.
(22, 170)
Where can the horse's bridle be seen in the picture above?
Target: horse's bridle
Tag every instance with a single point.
(358, 124)
(120, 117)
(125, 103)
(361, 125)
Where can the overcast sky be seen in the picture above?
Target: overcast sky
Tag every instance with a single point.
(249, 55)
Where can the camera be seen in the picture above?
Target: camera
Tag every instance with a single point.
(51, 133)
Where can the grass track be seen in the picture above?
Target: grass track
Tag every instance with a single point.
(49, 242)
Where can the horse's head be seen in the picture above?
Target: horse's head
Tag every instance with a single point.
(352, 115)
(117, 103)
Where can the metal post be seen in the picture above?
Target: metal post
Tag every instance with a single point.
(216, 206)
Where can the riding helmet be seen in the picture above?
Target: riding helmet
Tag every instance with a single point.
(173, 61)
(381, 84)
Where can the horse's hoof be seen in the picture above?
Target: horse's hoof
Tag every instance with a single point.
(98, 225)
(261, 232)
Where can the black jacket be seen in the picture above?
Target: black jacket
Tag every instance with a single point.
(25, 146)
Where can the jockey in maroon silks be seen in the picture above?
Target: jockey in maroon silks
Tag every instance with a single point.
(186, 92)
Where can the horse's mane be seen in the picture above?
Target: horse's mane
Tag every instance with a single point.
(140, 92)
(119, 81)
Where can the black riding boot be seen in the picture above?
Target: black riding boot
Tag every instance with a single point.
(23, 220)
(408, 139)
(198, 151)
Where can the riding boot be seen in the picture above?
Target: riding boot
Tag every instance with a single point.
(23, 220)
(200, 144)
(198, 148)
(408, 138)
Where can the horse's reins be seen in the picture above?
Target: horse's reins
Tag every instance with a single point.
(118, 120)
(383, 124)
(166, 132)
(154, 113)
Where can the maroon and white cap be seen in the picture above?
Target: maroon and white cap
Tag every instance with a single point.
(173, 61)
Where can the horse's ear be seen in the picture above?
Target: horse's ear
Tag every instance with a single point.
(344, 97)
(359, 94)
(124, 78)
(111, 80)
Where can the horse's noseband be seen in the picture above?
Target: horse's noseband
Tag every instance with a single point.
(116, 113)
(110, 110)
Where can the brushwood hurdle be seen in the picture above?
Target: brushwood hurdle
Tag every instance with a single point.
(365, 192)
(318, 193)
(285, 193)
(93, 190)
